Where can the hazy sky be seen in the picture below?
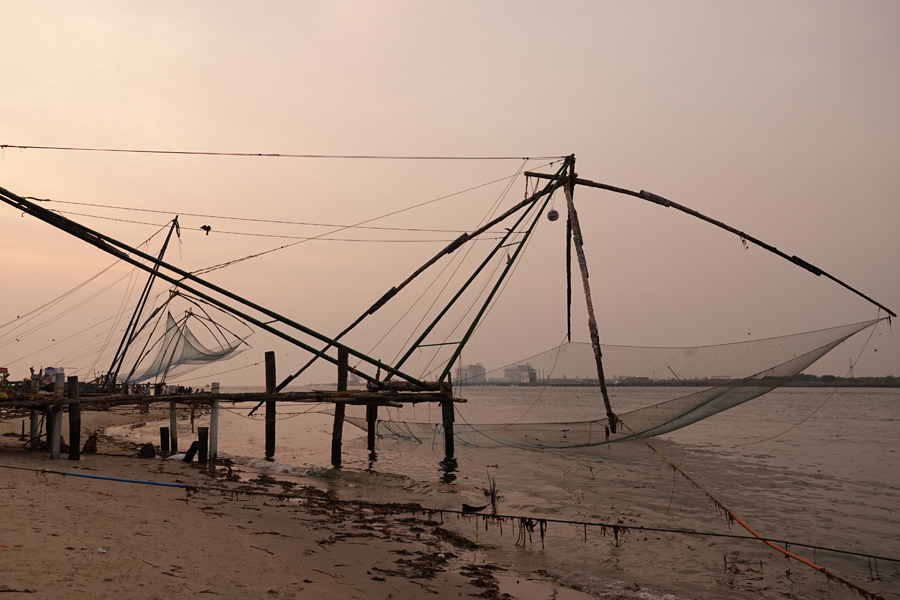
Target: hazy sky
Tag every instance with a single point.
(779, 118)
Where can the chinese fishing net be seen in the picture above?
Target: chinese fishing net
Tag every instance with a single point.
(706, 380)
(178, 351)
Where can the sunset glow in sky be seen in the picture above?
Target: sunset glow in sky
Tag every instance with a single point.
(779, 119)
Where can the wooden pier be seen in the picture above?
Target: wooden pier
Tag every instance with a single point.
(67, 397)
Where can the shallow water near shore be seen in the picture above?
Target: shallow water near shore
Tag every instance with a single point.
(831, 482)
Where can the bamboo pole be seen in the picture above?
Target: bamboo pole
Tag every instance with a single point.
(592, 321)
(665, 202)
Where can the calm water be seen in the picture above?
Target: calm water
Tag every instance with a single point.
(832, 481)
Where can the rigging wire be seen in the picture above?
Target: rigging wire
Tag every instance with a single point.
(459, 262)
(277, 155)
(66, 312)
(505, 283)
(129, 291)
(287, 237)
(337, 230)
(248, 219)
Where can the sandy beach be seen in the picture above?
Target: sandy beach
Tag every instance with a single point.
(323, 533)
(68, 536)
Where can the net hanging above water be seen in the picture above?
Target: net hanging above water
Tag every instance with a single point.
(732, 374)
(179, 351)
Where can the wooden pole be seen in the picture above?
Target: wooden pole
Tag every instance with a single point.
(35, 427)
(592, 321)
(271, 384)
(54, 430)
(340, 408)
(164, 440)
(173, 426)
(371, 422)
(74, 420)
(214, 431)
(448, 418)
(203, 435)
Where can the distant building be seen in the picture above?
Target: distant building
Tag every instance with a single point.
(471, 374)
(520, 374)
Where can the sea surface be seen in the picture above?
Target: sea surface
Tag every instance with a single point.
(809, 466)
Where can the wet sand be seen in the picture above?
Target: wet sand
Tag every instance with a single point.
(66, 536)
(161, 542)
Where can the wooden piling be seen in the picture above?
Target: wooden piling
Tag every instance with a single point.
(173, 426)
(214, 431)
(74, 419)
(270, 404)
(54, 430)
(203, 435)
(35, 427)
(448, 418)
(371, 421)
(164, 440)
(340, 408)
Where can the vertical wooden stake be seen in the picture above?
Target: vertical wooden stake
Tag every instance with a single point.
(340, 408)
(448, 418)
(54, 430)
(173, 426)
(164, 440)
(214, 431)
(371, 421)
(203, 435)
(270, 404)
(35, 427)
(74, 420)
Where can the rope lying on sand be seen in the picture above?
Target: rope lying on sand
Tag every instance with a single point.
(415, 508)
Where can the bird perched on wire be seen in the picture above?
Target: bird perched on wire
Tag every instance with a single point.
(206, 228)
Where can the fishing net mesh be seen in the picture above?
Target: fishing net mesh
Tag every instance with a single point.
(179, 352)
(705, 380)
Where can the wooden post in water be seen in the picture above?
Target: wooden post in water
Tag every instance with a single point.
(340, 408)
(448, 418)
(270, 404)
(173, 426)
(371, 421)
(74, 419)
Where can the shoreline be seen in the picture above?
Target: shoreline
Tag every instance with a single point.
(394, 526)
(108, 539)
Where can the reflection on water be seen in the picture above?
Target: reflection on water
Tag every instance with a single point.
(448, 468)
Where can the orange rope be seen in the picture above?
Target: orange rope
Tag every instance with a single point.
(733, 517)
